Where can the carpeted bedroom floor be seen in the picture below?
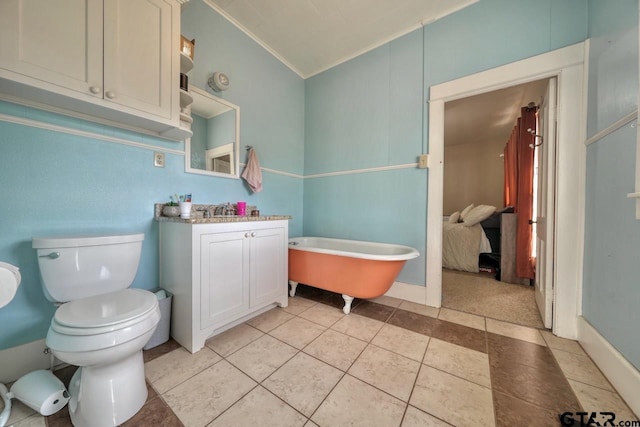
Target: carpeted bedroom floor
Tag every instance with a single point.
(481, 294)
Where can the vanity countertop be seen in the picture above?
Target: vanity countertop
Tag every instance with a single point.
(197, 216)
(221, 219)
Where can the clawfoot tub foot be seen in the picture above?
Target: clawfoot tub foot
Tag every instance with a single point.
(347, 303)
(294, 285)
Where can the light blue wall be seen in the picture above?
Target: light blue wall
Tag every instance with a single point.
(270, 95)
(221, 129)
(198, 142)
(55, 183)
(611, 295)
(368, 113)
(362, 114)
(491, 33)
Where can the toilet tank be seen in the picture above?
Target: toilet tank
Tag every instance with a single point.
(77, 267)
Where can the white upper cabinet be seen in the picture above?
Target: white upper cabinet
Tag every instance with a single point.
(114, 60)
(38, 40)
(138, 55)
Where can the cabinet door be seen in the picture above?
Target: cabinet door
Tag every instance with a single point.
(268, 282)
(57, 42)
(139, 54)
(224, 275)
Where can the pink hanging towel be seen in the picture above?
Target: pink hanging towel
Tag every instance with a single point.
(252, 173)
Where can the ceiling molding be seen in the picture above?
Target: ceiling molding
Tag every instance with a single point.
(252, 36)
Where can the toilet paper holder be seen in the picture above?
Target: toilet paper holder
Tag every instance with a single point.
(40, 390)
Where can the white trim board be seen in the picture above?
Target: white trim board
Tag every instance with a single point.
(86, 134)
(20, 360)
(77, 132)
(408, 292)
(622, 374)
(567, 64)
(365, 170)
(631, 117)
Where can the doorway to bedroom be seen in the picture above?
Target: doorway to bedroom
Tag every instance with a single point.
(481, 213)
(558, 290)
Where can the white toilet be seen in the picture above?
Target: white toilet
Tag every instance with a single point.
(101, 325)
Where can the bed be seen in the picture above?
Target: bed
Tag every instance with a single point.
(462, 246)
(475, 247)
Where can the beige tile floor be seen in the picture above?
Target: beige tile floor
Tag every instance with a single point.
(310, 365)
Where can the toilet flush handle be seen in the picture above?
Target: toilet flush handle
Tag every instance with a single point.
(52, 255)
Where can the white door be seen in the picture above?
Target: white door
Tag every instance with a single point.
(545, 212)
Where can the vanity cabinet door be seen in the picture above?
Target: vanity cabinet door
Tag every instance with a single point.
(57, 42)
(224, 276)
(267, 258)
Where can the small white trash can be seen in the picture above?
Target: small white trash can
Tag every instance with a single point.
(161, 334)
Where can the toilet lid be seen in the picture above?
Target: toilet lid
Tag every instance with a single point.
(105, 310)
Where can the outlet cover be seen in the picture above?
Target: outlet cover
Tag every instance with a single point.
(158, 159)
(423, 160)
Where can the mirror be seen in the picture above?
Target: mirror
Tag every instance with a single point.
(213, 148)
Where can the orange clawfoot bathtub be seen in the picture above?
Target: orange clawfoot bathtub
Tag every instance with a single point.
(349, 267)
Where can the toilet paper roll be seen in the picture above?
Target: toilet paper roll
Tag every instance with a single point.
(9, 282)
(51, 403)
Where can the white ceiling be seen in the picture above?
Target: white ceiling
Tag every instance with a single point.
(489, 117)
(311, 36)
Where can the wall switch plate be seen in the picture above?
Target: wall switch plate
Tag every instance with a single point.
(158, 159)
(423, 161)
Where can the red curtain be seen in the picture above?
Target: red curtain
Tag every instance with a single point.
(511, 167)
(524, 260)
(518, 187)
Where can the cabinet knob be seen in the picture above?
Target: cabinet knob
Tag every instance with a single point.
(110, 94)
(253, 234)
(95, 90)
(247, 234)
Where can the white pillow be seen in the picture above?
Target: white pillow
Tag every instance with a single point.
(465, 211)
(478, 214)
(454, 217)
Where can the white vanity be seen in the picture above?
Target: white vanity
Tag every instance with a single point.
(221, 272)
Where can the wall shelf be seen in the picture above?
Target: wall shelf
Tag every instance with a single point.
(186, 63)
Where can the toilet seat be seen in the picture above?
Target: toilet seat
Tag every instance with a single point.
(104, 313)
(59, 340)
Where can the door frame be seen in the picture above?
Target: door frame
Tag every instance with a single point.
(568, 65)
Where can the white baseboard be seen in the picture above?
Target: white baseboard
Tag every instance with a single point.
(407, 292)
(622, 374)
(22, 359)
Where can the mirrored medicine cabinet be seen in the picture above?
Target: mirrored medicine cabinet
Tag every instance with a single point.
(213, 148)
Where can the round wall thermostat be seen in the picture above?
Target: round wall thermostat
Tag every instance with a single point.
(219, 82)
